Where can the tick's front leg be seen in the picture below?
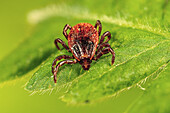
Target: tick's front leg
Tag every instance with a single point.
(98, 23)
(60, 64)
(67, 26)
(62, 43)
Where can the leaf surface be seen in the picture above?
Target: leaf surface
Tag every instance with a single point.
(156, 96)
(138, 54)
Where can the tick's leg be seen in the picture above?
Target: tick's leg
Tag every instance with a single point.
(105, 51)
(62, 43)
(108, 34)
(67, 26)
(100, 47)
(59, 58)
(98, 23)
(60, 64)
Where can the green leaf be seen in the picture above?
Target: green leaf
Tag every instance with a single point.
(138, 57)
(138, 54)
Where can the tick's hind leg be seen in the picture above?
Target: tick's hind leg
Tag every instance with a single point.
(55, 69)
(59, 58)
(105, 51)
(98, 23)
(67, 26)
(62, 43)
(108, 34)
(60, 64)
(100, 47)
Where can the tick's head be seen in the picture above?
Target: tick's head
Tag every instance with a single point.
(85, 63)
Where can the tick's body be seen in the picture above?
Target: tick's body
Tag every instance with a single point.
(83, 37)
(83, 41)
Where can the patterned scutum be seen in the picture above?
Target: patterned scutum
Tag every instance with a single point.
(83, 39)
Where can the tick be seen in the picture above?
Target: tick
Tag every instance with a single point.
(84, 44)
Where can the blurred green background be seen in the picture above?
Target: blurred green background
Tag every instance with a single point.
(14, 29)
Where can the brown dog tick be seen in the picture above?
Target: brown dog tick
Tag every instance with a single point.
(82, 43)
